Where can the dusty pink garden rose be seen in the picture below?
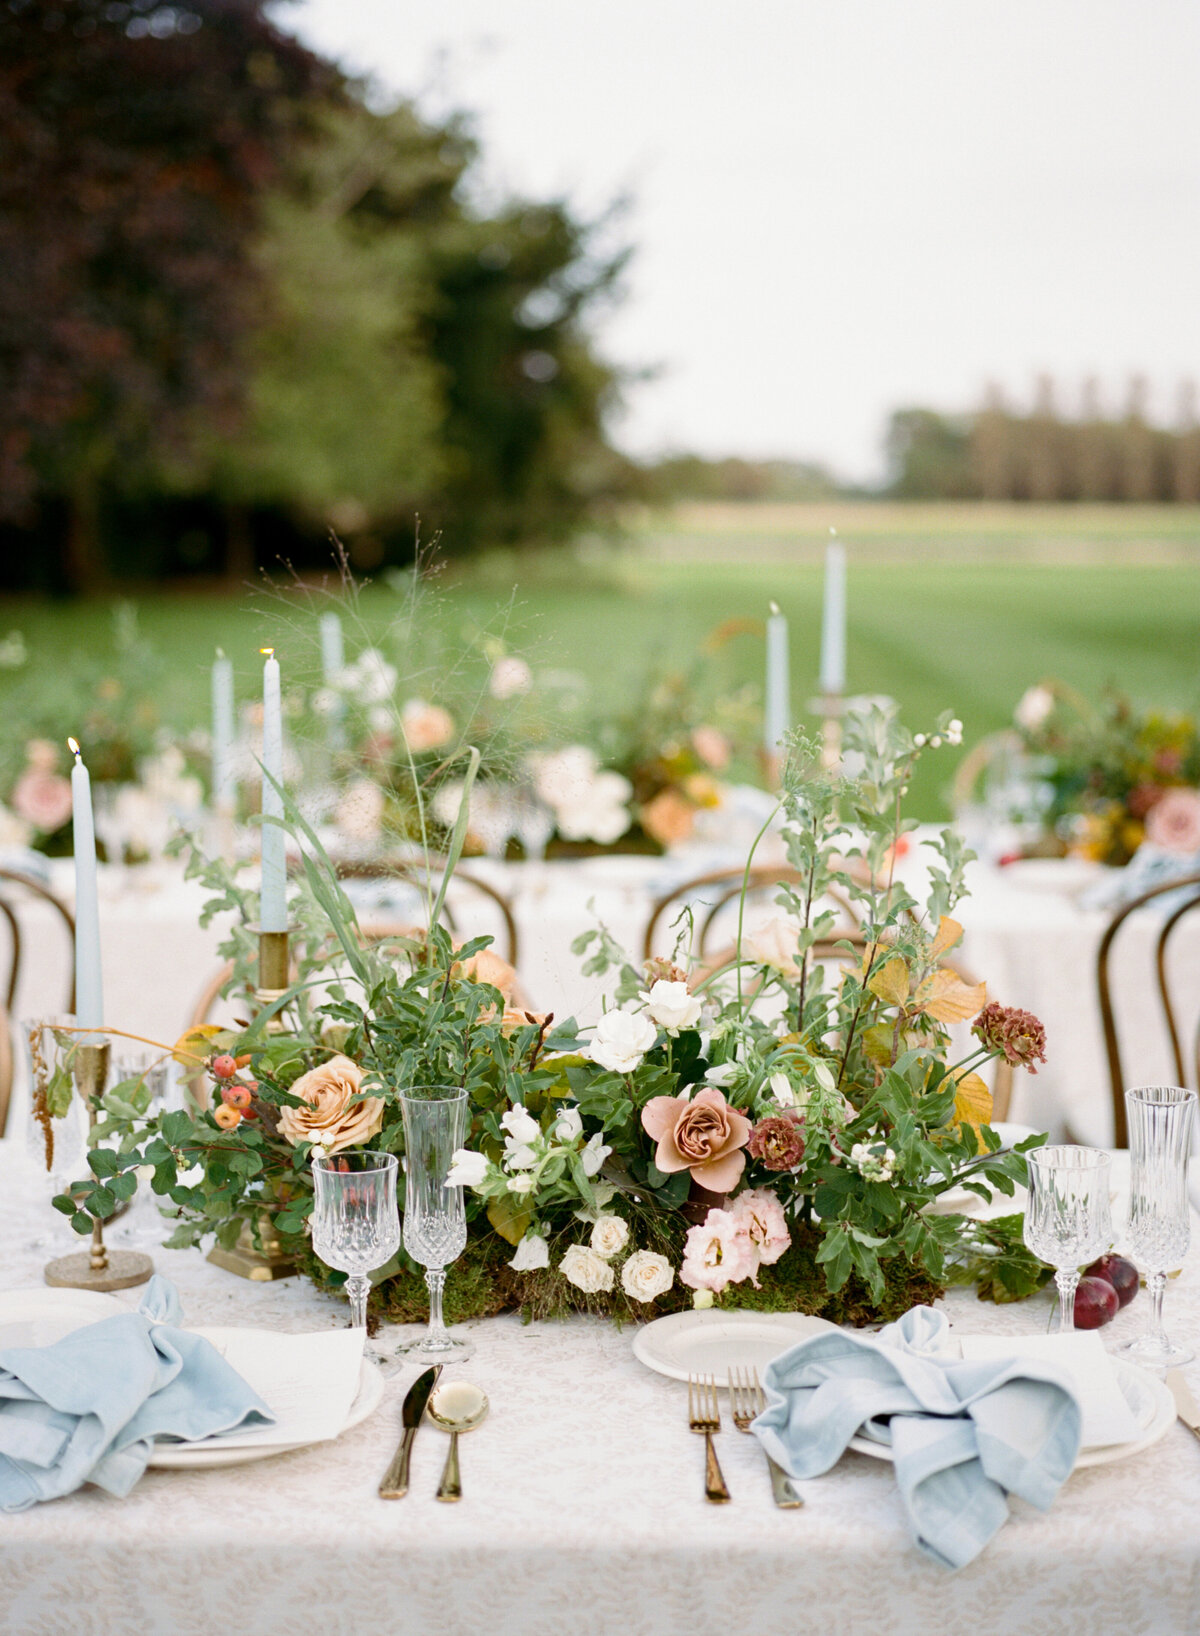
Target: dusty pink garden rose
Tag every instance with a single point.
(1173, 822)
(717, 1253)
(704, 1135)
(329, 1117)
(42, 798)
(760, 1217)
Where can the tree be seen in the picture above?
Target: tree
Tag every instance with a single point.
(138, 137)
(930, 456)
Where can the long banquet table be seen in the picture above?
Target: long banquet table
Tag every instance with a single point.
(583, 1512)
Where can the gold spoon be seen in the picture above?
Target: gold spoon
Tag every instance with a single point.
(456, 1407)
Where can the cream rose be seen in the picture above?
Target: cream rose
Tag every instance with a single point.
(609, 1236)
(329, 1115)
(586, 1270)
(646, 1275)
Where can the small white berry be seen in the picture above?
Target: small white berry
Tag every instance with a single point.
(935, 742)
(919, 741)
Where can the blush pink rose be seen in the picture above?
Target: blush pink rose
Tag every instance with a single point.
(1173, 822)
(43, 799)
(704, 1135)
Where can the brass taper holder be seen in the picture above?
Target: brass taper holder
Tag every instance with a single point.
(830, 708)
(96, 1268)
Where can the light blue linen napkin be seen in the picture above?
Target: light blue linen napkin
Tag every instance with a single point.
(89, 1407)
(963, 1435)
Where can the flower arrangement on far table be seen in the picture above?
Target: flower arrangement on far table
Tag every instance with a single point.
(1120, 775)
(774, 1133)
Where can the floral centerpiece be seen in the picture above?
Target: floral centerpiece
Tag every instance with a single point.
(1119, 775)
(776, 1132)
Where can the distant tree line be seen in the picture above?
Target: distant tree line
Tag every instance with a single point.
(240, 307)
(696, 477)
(997, 454)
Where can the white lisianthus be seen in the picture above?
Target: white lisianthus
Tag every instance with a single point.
(671, 1006)
(723, 1074)
(519, 1156)
(586, 1270)
(520, 1125)
(610, 1236)
(621, 1040)
(594, 1154)
(781, 1090)
(569, 1127)
(647, 1275)
(520, 1184)
(533, 1253)
(467, 1169)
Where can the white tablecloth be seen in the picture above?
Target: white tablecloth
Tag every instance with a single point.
(583, 1513)
(1031, 941)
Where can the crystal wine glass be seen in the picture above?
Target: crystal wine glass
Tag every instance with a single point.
(1158, 1231)
(57, 1149)
(356, 1225)
(146, 1073)
(435, 1222)
(1067, 1219)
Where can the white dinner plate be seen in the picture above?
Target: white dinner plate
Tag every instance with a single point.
(713, 1342)
(39, 1317)
(1148, 1397)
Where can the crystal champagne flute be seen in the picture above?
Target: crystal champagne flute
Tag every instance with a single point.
(356, 1225)
(435, 1222)
(1068, 1220)
(1158, 1231)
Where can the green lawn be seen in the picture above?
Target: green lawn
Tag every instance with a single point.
(936, 621)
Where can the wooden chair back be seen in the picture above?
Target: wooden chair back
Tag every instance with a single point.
(1187, 1072)
(6, 1068)
(715, 891)
(13, 887)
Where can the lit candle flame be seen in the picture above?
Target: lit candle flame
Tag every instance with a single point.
(270, 652)
(75, 750)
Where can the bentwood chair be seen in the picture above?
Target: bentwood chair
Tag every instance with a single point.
(1187, 1065)
(20, 892)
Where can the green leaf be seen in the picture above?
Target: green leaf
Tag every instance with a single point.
(509, 1217)
(59, 1091)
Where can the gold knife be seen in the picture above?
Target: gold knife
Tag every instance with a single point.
(1185, 1403)
(395, 1479)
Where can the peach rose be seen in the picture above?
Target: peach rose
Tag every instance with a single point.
(426, 726)
(669, 818)
(704, 1135)
(43, 799)
(488, 967)
(329, 1117)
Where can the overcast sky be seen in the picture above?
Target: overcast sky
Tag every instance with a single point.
(840, 206)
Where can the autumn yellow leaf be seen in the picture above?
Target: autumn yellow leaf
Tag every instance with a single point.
(972, 1102)
(891, 981)
(945, 997)
(948, 934)
(195, 1043)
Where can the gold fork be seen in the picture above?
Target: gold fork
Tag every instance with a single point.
(704, 1415)
(746, 1402)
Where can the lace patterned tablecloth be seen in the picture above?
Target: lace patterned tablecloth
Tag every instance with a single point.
(583, 1513)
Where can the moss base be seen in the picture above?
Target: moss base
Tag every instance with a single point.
(482, 1284)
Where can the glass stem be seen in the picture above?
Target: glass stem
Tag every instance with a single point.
(435, 1278)
(1067, 1279)
(1156, 1284)
(358, 1287)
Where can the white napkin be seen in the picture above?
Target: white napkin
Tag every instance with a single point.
(1107, 1417)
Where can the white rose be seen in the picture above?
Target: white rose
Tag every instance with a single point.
(610, 1236)
(533, 1253)
(570, 1126)
(646, 1275)
(520, 1184)
(586, 1270)
(519, 1124)
(1034, 705)
(774, 943)
(781, 1090)
(510, 676)
(467, 1169)
(594, 1154)
(672, 1007)
(621, 1040)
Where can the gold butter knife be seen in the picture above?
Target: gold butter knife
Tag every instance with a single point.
(395, 1479)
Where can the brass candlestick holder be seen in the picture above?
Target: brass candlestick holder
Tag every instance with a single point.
(272, 1261)
(97, 1268)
